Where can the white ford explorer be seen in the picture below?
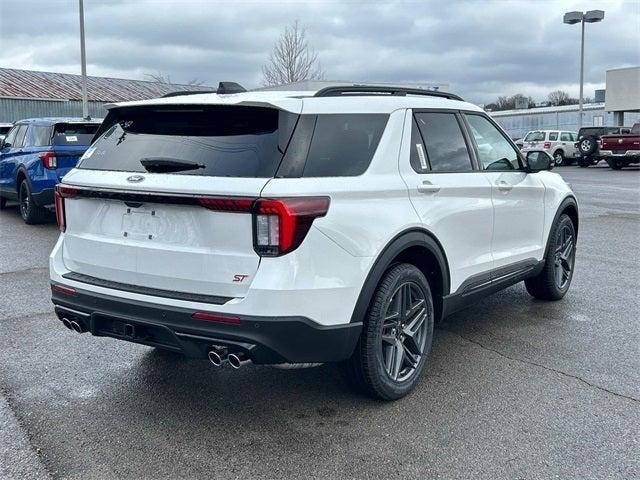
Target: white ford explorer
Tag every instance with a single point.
(304, 227)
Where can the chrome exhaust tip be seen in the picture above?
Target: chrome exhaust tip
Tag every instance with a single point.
(77, 327)
(237, 360)
(217, 356)
(67, 323)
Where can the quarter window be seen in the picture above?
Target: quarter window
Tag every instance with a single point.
(495, 152)
(445, 146)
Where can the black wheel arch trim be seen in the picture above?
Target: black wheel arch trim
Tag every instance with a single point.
(22, 170)
(568, 201)
(400, 243)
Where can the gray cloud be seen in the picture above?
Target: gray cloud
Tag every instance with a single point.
(482, 49)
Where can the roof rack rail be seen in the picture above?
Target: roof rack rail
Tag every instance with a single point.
(381, 90)
(186, 92)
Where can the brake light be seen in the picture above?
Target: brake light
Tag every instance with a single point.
(49, 160)
(547, 145)
(62, 192)
(280, 225)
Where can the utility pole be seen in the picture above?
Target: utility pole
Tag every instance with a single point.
(83, 61)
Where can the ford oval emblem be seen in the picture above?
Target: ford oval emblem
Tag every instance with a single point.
(135, 178)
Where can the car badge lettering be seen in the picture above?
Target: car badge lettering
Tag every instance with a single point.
(135, 178)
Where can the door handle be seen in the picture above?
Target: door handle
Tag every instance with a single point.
(428, 187)
(504, 186)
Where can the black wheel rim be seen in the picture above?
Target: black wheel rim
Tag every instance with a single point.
(404, 331)
(24, 202)
(564, 255)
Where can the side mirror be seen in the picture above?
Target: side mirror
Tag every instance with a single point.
(538, 160)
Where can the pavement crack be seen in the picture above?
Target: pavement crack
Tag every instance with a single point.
(550, 369)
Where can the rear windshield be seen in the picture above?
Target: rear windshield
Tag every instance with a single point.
(210, 141)
(534, 137)
(74, 133)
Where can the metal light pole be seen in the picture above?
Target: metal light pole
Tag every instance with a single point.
(83, 61)
(571, 18)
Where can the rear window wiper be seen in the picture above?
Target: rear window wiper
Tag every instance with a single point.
(166, 165)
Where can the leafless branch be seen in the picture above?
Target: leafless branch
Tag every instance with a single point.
(292, 59)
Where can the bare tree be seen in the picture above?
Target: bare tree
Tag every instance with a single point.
(292, 59)
(160, 77)
(558, 97)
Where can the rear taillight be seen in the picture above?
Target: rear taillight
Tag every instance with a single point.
(62, 192)
(216, 317)
(49, 160)
(547, 145)
(279, 225)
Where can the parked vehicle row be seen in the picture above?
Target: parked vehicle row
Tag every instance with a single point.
(559, 144)
(35, 155)
(303, 228)
(622, 149)
(589, 143)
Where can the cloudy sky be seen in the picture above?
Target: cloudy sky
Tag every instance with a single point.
(482, 49)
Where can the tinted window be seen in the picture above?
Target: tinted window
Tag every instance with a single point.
(534, 137)
(38, 136)
(494, 150)
(553, 136)
(11, 137)
(343, 145)
(566, 137)
(418, 156)
(22, 131)
(446, 149)
(74, 133)
(215, 141)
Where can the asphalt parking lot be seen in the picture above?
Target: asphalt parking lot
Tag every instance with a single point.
(515, 388)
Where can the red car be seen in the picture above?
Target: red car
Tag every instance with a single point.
(621, 150)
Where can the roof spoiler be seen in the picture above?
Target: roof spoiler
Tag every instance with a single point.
(186, 92)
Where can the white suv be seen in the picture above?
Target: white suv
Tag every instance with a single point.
(297, 228)
(560, 145)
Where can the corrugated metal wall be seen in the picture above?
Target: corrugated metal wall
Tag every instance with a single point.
(13, 109)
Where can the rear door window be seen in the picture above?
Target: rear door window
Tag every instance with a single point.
(553, 136)
(343, 144)
(74, 133)
(39, 136)
(211, 141)
(566, 137)
(22, 131)
(446, 148)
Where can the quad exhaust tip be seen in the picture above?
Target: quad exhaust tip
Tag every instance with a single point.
(237, 360)
(67, 323)
(78, 327)
(217, 356)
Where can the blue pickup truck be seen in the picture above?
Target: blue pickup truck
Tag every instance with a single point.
(35, 155)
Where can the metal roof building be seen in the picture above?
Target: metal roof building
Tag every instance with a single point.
(518, 122)
(27, 93)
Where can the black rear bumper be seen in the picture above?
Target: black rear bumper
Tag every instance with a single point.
(44, 198)
(265, 340)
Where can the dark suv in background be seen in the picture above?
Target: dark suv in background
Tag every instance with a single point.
(588, 145)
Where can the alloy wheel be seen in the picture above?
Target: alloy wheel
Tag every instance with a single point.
(404, 331)
(564, 254)
(24, 202)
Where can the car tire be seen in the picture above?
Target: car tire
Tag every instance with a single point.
(396, 335)
(558, 158)
(587, 146)
(30, 212)
(615, 164)
(584, 162)
(553, 282)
